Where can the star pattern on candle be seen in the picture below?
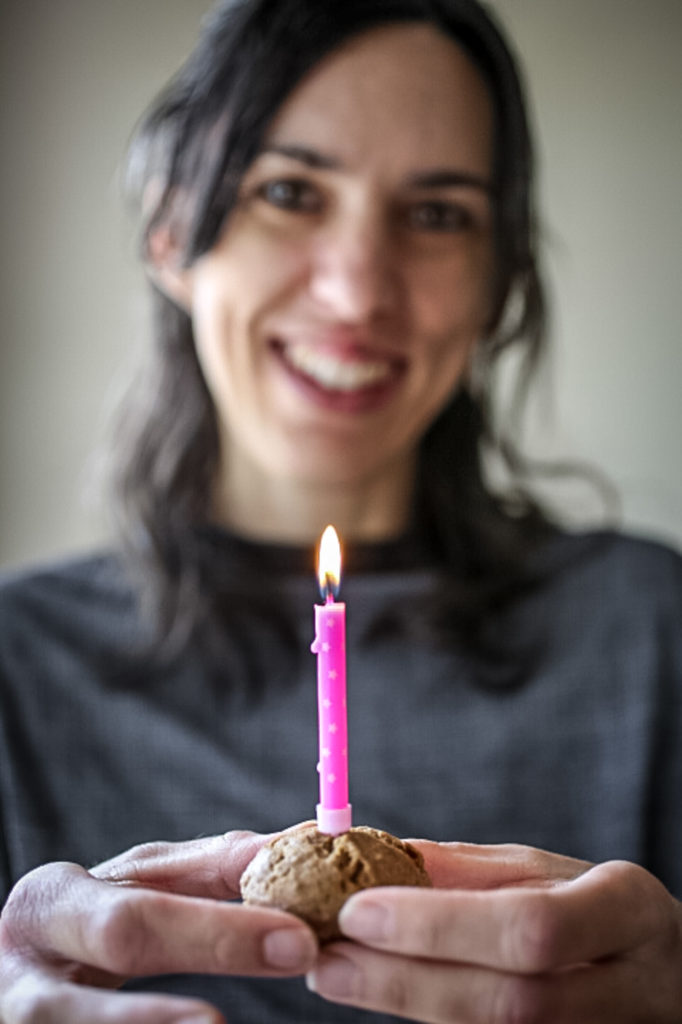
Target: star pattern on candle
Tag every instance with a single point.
(330, 647)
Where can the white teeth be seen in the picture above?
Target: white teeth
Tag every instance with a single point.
(334, 373)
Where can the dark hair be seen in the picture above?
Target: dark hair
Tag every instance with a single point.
(196, 142)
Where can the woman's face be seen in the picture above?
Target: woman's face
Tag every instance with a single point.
(339, 309)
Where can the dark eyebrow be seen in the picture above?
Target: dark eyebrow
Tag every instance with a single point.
(450, 179)
(304, 155)
(442, 178)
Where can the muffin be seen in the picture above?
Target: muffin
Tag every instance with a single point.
(311, 874)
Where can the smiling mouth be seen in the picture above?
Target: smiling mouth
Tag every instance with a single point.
(347, 372)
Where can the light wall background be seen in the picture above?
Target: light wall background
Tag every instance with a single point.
(605, 86)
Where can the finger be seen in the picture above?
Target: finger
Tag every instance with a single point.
(208, 867)
(131, 931)
(437, 993)
(609, 909)
(37, 998)
(470, 866)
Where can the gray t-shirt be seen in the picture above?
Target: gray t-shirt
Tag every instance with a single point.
(103, 748)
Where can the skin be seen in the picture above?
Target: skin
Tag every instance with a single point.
(511, 934)
(339, 241)
(69, 937)
(508, 934)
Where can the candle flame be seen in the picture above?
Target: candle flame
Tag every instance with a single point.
(329, 564)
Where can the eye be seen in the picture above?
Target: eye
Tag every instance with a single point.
(292, 194)
(439, 215)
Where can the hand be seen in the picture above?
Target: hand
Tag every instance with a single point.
(511, 934)
(69, 936)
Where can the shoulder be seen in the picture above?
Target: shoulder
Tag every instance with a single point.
(614, 572)
(95, 575)
(85, 595)
(620, 555)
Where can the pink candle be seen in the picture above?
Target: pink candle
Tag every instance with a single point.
(333, 810)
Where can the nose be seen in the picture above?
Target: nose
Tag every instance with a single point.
(354, 275)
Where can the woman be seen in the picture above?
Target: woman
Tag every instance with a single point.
(339, 232)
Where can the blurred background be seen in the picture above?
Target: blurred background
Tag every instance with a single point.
(604, 79)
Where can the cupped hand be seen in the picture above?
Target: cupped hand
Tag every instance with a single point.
(69, 937)
(511, 935)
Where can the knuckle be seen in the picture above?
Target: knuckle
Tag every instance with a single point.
(621, 874)
(147, 851)
(655, 909)
(241, 835)
(447, 1006)
(432, 932)
(520, 1000)
(528, 858)
(30, 897)
(533, 935)
(30, 1008)
(125, 866)
(28, 1002)
(396, 992)
(117, 933)
(241, 843)
(633, 877)
(18, 907)
(231, 950)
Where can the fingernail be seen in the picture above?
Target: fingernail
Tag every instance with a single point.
(337, 978)
(289, 948)
(364, 919)
(202, 1018)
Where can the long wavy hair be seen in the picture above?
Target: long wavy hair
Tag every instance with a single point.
(196, 141)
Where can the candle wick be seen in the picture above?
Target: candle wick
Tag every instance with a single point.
(329, 590)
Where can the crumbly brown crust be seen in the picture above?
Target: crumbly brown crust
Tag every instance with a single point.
(312, 875)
